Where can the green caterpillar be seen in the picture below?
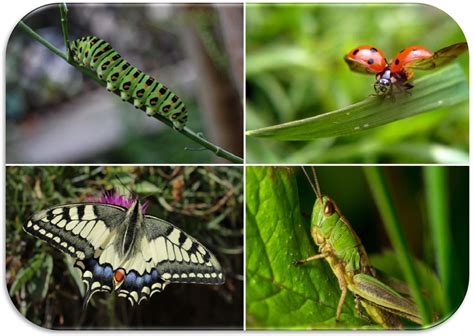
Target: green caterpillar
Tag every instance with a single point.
(133, 84)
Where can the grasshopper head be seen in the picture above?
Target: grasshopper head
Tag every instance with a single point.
(324, 218)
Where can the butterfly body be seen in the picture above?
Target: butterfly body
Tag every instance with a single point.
(370, 60)
(122, 249)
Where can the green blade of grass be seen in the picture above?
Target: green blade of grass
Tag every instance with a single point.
(436, 184)
(379, 187)
(443, 88)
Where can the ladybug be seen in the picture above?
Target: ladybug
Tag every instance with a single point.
(370, 60)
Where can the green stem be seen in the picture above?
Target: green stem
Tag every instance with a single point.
(38, 38)
(63, 11)
(218, 151)
(394, 229)
(437, 201)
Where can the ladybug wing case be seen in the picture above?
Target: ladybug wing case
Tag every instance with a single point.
(366, 60)
(438, 59)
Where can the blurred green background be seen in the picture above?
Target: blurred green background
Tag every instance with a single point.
(206, 202)
(55, 114)
(295, 69)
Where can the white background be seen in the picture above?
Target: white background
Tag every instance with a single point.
(12, 322)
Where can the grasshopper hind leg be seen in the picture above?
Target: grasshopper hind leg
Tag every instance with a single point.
(339, 272)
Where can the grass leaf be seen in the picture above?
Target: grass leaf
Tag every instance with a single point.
(443, 88)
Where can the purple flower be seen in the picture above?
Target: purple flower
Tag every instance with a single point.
(109, 197)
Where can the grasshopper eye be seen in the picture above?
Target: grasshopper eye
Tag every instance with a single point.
(329, 208)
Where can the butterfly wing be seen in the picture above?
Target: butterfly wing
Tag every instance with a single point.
(76, 229)
(82, 231)
(161, 253)
(165, 255)
(439, 58)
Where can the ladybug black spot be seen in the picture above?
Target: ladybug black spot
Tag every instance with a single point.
(370, 61)
(355, 52)
(397, 61)
(373, 50)
(402, 50)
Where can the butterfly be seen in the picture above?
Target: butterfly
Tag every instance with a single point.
(117, 247)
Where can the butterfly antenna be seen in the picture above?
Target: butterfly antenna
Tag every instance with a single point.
(315, 186)
(123, 185)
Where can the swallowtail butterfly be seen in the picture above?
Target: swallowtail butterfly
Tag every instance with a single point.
(133, 84)
(119, 248)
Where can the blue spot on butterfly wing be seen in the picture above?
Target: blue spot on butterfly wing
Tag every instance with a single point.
(139, 282)
(130, 279)
(108, 271)
(98, 270)
(90, 263)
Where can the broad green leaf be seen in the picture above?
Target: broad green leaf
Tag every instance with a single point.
(27, 273)
(280, 295)
(444, 88)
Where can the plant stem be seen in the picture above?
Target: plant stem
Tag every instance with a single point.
(394, 229)
(218, 151)
(63, 11)
(437, 203)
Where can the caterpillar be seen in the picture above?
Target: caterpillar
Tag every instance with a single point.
(133, 84)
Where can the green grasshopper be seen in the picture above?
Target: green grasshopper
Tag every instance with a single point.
(343, 250)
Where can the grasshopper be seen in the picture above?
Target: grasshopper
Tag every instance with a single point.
(340, 246)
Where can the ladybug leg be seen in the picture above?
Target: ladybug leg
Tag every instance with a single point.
(390, 94)
(404, 87)
(407, 87)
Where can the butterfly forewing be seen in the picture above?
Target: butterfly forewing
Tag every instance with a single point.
(76, 229)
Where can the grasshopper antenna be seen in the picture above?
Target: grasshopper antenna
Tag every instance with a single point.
(314, 183)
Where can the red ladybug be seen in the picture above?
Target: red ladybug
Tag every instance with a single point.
(369, 60)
